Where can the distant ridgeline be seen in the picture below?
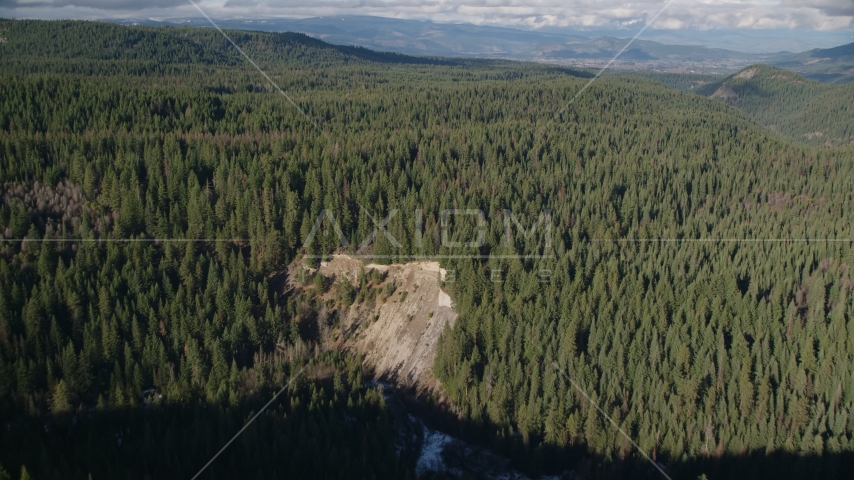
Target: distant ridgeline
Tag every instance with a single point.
(83, 47)
(830, 65)
(785, 102)
(697, 281)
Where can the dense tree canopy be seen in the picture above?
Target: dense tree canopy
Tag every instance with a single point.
(804, 110)
(696, 283)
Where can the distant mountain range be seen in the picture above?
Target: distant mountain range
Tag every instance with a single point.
(829, 65)
(416, 37)
(403, 36)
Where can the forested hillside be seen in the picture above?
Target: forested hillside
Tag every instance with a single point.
(688, 82)
(804, 110)
(696, 283)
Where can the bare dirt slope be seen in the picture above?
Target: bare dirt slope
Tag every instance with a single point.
(397, 334)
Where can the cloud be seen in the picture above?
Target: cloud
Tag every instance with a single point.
(696, 14)
(829, 7)
(126, 5)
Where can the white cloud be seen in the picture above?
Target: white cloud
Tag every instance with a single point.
(696, 14)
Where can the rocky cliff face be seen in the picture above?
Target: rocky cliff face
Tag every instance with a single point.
(397, 331)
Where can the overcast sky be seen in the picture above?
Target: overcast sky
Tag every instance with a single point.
(695, 14)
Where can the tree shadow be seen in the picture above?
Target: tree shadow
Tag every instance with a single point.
(310, 432)
(535, 457)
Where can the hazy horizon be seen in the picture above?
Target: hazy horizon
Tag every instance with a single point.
(819, 15)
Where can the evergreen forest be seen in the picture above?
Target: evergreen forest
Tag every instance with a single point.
(686, 267)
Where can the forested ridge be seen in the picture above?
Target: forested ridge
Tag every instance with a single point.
(697, 281)
(801, 109)
(688, 82)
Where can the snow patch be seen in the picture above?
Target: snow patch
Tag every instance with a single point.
(431, 459)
